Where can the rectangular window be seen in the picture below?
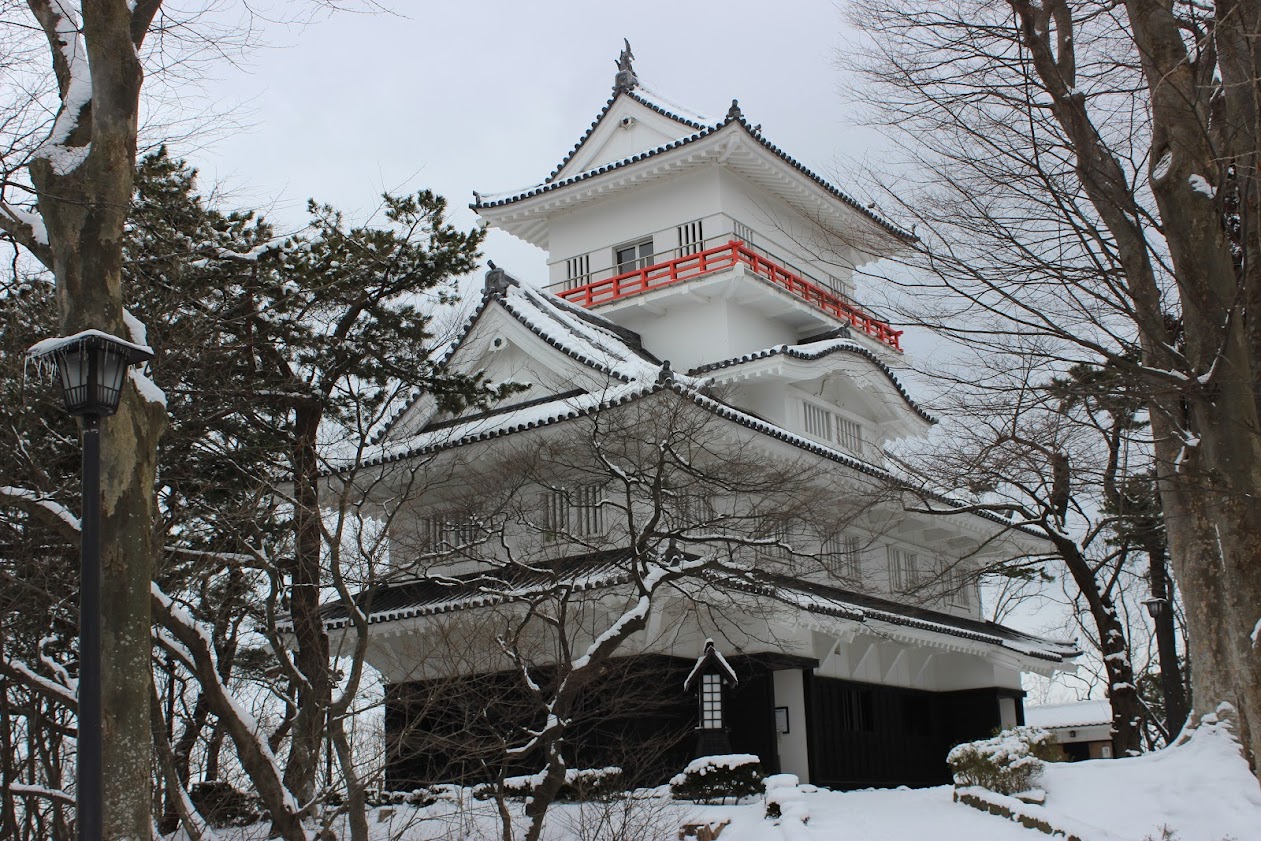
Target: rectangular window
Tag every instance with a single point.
(711, 702)
(632, 257)
(443, 533)
(903, 569)
(779, 549)
(691, 238)
(573, 512)
(742, 232)
(577, 270)
(691, 511)
(960, 584)
(849, 435)
(840, 554)
(818, 422)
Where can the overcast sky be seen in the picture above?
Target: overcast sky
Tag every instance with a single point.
(489, 96)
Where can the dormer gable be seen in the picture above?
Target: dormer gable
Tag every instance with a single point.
(629, 125)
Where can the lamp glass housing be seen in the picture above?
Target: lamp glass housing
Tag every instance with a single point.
(91, 371)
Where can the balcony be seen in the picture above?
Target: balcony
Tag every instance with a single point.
(720, 258)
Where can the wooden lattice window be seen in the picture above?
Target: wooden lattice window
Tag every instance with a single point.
(573, 512)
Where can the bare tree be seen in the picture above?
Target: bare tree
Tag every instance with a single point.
(1089, 191)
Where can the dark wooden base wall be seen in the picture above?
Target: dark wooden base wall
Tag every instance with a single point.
(638, 717)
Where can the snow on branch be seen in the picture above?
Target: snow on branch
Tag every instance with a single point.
(40, 501)
(72, 51)
(60, 693)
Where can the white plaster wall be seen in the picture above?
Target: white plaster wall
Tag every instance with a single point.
(698, 327)
(784, 230)
(1007, 713)
(792, 746)
(598, 227)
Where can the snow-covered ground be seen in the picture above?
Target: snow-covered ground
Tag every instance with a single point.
(1200, 790)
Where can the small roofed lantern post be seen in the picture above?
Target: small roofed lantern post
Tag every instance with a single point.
(91, 367)
(710, 678)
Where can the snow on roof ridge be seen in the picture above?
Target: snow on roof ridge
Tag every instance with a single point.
(813, 351)
(673, 109)
(1092, 711)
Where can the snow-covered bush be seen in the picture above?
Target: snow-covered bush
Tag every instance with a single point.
(1008, 763)
(419, 797)
(581, 784)
(223, 805)
(712, 779)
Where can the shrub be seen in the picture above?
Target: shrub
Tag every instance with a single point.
(1009, 763)
(581, 784)
(222, 805)
(420, 797)
(712, 779)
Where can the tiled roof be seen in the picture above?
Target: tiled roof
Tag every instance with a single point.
(551, 318)
(734, 116)
(825, 599)
(445, 594)
(591, 571)
(804, 352)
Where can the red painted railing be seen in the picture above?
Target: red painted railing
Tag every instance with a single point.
(719, 258)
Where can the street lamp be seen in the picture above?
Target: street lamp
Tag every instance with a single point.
(91, 366)
(1155, 606)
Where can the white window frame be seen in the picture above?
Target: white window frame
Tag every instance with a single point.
(641, 260)
(711, 701)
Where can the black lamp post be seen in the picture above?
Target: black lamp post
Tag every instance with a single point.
(91, 366)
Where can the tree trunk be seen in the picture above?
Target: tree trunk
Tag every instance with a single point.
(84, 210)
(315, 691)
(1171, 677)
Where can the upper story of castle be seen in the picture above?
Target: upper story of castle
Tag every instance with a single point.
(701, 236)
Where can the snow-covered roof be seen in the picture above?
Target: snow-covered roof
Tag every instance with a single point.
(631, 374)
(1074, 714)
(733, 122)
(445, 594)
(815, 351)
(591, 571)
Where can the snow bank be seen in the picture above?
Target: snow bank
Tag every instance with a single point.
(1201, 789)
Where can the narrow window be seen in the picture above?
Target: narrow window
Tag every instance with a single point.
(903, 571)
(443, 533)
(691, 238)
(742, 232)
(840, 554)
(632, 257)
(818, 422)
(960, 583)
(572, 512)
(849, 435)
(779, 548)
(577, 270)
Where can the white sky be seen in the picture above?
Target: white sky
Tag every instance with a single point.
(490, 95)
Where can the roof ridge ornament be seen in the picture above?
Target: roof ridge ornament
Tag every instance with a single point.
(734, 112)
(625, 80)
